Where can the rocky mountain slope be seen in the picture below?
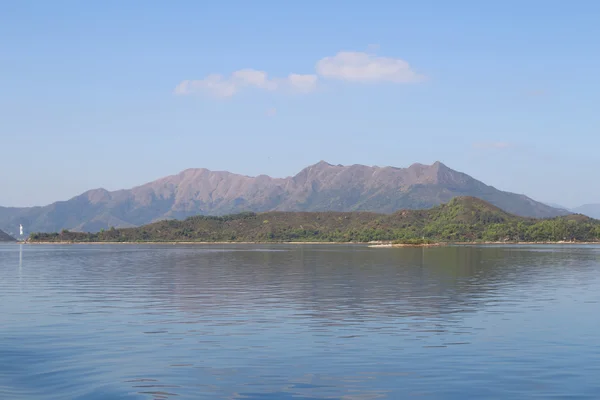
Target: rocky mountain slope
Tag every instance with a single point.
(320, 187)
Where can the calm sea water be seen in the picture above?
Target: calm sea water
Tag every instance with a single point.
(299, 322)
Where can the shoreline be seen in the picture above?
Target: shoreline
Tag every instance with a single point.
(391, 245)
(188, 243)
(458, 244)
(368, 244)
(561, 242)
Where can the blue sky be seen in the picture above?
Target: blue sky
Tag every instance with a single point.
(114, 94)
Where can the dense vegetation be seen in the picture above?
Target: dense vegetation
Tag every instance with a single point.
(461, 219)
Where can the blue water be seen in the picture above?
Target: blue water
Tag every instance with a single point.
(299, 322)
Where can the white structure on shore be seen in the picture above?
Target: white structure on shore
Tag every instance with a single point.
(20, 230)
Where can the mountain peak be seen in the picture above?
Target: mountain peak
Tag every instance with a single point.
(322, 164)
(440, 166)
(96, 195)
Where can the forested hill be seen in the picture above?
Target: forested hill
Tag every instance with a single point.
(461, 219)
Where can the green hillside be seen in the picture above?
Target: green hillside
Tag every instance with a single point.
(461, 219)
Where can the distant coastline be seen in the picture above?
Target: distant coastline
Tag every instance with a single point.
(457, 244)
(189, 242)
(365, 244)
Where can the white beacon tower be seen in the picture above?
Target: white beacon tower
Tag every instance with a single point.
(20, 229)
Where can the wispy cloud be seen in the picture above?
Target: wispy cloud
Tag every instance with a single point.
(364, 67)
(221, 86)
(346, 66)
(493, 145)
(302, 83)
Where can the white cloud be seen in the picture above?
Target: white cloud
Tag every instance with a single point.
(345, 65)
(221, 86)
(252, 77)
(364, 67)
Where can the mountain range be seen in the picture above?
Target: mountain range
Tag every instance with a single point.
(319, 187)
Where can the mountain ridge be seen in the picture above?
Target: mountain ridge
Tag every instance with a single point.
(318, 187)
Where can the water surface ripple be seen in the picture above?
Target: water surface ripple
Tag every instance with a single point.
(298, 322)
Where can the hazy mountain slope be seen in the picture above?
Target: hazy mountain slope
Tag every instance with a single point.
(591, 210)
(4, 237)
(320, 187)
(559, 206)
